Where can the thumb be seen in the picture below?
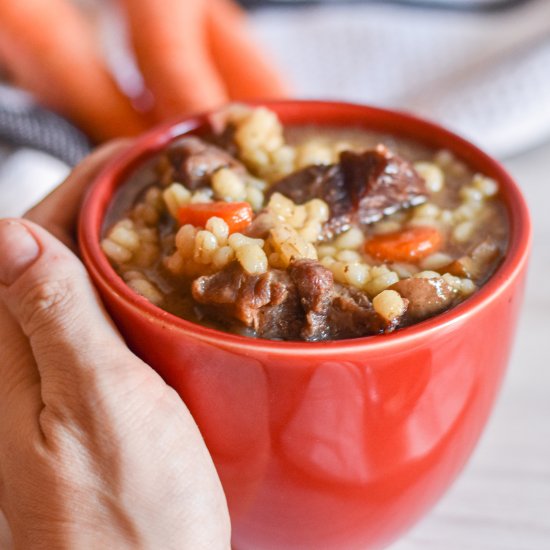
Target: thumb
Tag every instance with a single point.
(48, 292)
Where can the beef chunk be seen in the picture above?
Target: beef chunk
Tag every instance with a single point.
(315, 286)
(360, 189)
(320, 182)
(302, 303)
(426, 297)
(243, 294)
(477, 263)
(380, 183)
(316, 181)
(351, 315)
(223, 130)
(332, 311)
(192, 161)
(268, 303)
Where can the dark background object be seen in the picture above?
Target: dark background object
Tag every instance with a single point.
(23, 123)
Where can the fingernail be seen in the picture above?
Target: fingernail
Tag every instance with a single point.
(18, 250)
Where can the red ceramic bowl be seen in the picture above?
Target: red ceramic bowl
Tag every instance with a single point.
(336, 445)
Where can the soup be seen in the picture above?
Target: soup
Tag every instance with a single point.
(306, 233)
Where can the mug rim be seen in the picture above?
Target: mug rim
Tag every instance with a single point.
(113, 175)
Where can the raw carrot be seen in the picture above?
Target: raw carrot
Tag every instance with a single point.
(407, 245)
(49, 48)
(237, 215)
(247, 71)
(173, 53)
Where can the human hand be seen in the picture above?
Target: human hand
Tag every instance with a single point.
(96, 451)
(194, 55)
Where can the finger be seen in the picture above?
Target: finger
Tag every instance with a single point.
(77, 351)
(246, 70)
(59, 210)
(172, 50)
(6, 542)
(20, 399)
(49, 49)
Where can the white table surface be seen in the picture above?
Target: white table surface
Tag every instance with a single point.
(502, 499)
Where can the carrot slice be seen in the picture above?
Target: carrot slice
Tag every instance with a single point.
(237, 215)
(247, 71)
(49, 48)
(408, 245)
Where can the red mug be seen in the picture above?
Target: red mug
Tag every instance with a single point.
(340, 444)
